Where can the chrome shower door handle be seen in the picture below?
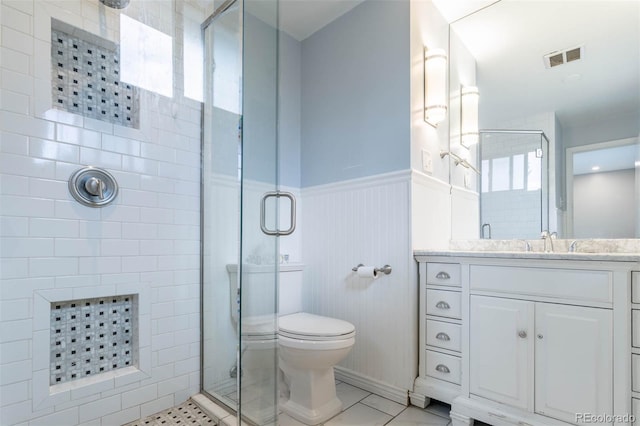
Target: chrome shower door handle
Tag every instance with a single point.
(263, 213)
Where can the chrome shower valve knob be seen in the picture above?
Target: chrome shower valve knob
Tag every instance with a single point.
(93, 187)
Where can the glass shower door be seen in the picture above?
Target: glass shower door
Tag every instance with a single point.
(239, 311)
(514, 184)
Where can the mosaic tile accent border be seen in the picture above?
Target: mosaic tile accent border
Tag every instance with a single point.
(187, 413)
(92, 336)
(86, 77)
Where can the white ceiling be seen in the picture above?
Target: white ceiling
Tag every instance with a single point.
(608, 159)
(453, 10)
(301, 18)
(509, 38)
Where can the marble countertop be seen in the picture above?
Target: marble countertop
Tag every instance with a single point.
(607, 257)
(616, 250)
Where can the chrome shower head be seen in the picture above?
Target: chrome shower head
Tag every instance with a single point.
(116, 4)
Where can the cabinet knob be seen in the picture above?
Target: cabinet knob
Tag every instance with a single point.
(540, 336)
(443, 336)
(442, 305)
(442, 368)
(443, 276)
(522, 334)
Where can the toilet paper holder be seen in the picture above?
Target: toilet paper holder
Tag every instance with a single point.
(386, 269)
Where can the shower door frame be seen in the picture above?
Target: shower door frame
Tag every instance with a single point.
(203, 28)
(272, 212)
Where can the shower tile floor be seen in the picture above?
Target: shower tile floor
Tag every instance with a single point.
(188, 413)
(360, 408)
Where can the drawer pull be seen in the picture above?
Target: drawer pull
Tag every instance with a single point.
(443, 336)
(442, 305)
(442, 368)
(443, 276)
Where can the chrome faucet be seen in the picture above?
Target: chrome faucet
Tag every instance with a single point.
(488, 226)
(548, 238)
(573, 247)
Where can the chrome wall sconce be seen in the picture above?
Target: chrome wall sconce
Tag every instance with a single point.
(469, 134)
(435, 86)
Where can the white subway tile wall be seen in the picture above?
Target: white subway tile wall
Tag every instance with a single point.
(147, 241)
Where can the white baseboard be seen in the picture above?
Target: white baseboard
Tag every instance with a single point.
(374, 386)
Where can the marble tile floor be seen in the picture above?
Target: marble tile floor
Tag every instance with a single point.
(361, 408)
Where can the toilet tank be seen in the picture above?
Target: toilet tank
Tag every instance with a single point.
(258, 289)
(290, 294)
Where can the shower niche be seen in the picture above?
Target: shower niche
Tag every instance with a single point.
(85, 74)
(92, 336)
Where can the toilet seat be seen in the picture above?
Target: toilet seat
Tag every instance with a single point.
(304, 326)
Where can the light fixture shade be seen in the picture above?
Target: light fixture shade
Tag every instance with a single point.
(435, 86)
(469, 97)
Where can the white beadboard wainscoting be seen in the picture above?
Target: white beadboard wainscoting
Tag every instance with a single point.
(465, 214)
(431, 212)
(365, 221)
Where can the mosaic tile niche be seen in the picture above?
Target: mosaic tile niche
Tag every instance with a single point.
(92, 336)
(86, 77)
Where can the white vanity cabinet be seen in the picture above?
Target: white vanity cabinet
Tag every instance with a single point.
(537, 339)
(440, 370)
(546, 358)
(501, 350)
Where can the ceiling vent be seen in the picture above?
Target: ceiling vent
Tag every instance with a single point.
(557, 58)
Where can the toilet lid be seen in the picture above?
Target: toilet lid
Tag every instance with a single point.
(314, 327)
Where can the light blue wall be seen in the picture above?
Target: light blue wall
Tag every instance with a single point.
(355, 95)
(289, 111)
(259, 100)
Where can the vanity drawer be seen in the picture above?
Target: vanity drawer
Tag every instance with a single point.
(635, 287)
(443, 274)
(444, 367)
(635, 328)
(444, 303)
(444, 335)
(635, 372)
(572, 284)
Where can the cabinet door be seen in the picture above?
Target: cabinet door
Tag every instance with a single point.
(501, 350)
(574, 366)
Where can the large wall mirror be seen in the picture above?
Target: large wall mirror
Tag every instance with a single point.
(570, 70)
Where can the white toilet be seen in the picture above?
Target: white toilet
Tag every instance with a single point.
(309, 345)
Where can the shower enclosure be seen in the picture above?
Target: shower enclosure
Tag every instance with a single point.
(514, 184)
(239, 166)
